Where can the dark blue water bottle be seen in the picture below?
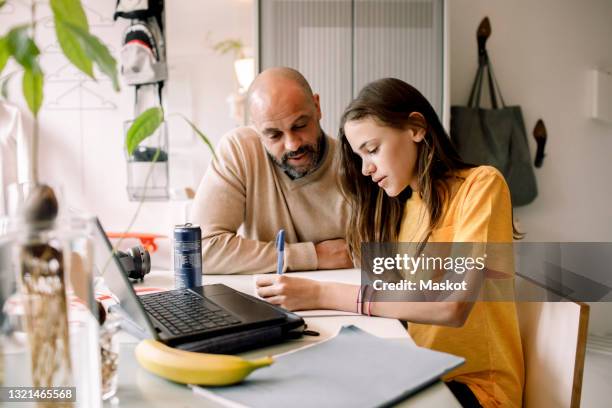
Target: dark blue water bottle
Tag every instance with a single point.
(187, 256)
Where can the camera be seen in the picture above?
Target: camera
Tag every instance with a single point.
(136, 262)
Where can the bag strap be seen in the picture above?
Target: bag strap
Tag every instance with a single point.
(491, 74)
(492, 92)
(476, 85)
(475, 93)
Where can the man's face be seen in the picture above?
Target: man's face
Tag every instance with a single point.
(288, 124)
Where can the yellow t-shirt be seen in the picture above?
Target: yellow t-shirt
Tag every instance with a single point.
(479, 210)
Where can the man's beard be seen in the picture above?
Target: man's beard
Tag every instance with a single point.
(315, 152)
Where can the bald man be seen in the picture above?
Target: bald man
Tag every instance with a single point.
(276, 173)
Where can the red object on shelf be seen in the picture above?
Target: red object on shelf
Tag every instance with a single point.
(147, 240)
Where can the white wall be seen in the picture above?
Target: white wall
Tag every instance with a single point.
(81, 143)
(202, 79)
(542, 52)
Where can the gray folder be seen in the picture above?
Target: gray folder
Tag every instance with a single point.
(353, 369)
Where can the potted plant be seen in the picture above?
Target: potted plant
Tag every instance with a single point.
(83, 50)
(244, 69)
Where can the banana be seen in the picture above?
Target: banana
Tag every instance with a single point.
(189, 367)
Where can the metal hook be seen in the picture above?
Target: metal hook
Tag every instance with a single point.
(482, 35)
(540, 136)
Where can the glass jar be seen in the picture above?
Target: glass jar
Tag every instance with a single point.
(49, 336)
(109, 356)
(147, 167)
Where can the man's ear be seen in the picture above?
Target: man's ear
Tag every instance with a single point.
(315, 97)
(419, 131)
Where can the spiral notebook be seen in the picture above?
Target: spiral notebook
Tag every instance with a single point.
(328, 374)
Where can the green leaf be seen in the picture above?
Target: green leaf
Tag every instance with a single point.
(73, 50)
(97, 51)
(226, 46)
(23, 48)
(4, 53)
(71, 11)
(201, 134)
(33, 89)
(144, 126)
(2, 3)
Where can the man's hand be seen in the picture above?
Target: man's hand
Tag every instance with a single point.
(333, 254)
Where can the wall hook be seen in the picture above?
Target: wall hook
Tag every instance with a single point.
(482, 34)
(540, 136)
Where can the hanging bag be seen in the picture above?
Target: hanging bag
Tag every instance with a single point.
(143, 56)
(495, 137)
(139, 9)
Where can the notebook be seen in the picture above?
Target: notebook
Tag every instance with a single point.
(352, 369)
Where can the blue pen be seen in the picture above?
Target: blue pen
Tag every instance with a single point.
(280, 251)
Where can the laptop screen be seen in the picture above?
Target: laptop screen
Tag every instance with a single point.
(110, 269)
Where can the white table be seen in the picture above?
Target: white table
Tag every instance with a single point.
(138, 388)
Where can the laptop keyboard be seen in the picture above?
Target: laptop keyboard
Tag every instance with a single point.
(183, 312)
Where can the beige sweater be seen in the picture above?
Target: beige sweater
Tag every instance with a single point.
(244, 199)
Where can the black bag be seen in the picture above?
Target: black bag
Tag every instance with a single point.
(139, 9)
(496, 136)
(143, 54)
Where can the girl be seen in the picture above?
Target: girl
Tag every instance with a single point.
(405, 182)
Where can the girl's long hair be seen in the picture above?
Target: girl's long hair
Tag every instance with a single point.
(374, 216)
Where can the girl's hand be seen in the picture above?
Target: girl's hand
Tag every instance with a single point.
(289, 292)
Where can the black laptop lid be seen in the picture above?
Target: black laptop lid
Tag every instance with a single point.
(109, 267)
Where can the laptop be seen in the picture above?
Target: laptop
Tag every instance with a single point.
(209, 318)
